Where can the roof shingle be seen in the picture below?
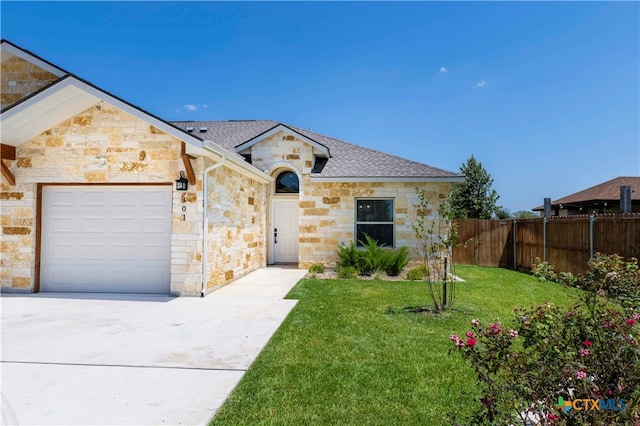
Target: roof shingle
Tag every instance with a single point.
(347, 160)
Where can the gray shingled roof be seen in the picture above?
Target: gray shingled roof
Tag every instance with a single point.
(347, 160)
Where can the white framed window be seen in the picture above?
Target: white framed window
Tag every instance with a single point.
(374, 217)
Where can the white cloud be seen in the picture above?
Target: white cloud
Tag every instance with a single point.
(443, 70)
(481, 83)
(195, 107)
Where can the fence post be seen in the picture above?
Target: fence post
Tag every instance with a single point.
(592, 220)
(544, 239)
(515, 252)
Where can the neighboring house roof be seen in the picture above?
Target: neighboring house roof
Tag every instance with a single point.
(346, 159)
(608, 191)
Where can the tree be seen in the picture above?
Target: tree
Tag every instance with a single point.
(503, 213)
(525, 214)
(474, 197)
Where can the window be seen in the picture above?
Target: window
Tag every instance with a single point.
(287, 183)
(375, 218)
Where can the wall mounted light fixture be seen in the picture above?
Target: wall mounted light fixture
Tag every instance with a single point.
(182, 184)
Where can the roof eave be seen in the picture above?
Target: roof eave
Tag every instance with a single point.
(283, 128)
(444, 179)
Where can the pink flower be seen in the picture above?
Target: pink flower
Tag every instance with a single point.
(469, 334)
(494, 328)
(636, 316)
(475, 322)
(513, 333)
(587, 343)
(552, 417)
(631, 321)
(471, 342)
(458, 342)
(581, 375)
(609, 392)
(584, 352)
(569, 314)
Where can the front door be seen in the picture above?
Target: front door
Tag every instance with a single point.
(285, 231)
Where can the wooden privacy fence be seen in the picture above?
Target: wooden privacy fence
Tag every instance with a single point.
(567, 242)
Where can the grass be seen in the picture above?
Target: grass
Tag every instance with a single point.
(349, 354)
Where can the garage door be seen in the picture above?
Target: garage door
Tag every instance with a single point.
(113, 239)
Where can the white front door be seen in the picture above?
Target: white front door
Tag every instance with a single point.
(285, 231)
(106, 239)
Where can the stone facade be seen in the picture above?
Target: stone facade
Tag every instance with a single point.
(327, 209)
(237, 225)
(327, 215)
(133, 152)
(21, 78)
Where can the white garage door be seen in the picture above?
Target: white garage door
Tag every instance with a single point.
(113, 239)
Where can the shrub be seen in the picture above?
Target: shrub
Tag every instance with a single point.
(568, 279)
(348, 256)
(552, 355)
(615, 277)
(372, 257)
(316, 268)
(398, 259)
(348, 272)
(543, 271)
(417, 274)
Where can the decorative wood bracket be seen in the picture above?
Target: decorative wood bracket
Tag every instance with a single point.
(7, 152)
(186, 159)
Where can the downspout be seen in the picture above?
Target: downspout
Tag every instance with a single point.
(205, 224)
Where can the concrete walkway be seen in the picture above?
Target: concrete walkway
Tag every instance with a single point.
(88, 359)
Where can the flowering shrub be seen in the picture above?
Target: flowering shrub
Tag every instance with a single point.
(609, 274)
(588, 352)
(614, 277)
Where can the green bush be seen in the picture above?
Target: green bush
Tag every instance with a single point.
(316, 268)
(398, 259)
(614, 277)
(373, 257)
(348, 256)
(417, 274)
(348, 272)
(552, 356)
(543, 271)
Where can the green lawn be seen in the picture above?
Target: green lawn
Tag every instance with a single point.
(348, 354)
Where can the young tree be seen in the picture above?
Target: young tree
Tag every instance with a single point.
(474, 197)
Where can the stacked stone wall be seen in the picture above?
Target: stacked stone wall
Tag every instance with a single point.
(328, 216)
(19, 79)
(237, 223)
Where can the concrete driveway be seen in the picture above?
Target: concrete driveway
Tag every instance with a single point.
(83, 359)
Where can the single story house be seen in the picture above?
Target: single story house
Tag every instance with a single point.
(90, 198)
(598, 199)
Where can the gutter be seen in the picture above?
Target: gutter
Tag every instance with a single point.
(205, 224)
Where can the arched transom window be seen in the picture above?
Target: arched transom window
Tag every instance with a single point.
(287, 183)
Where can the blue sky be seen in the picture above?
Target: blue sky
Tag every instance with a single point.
(545, 94)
